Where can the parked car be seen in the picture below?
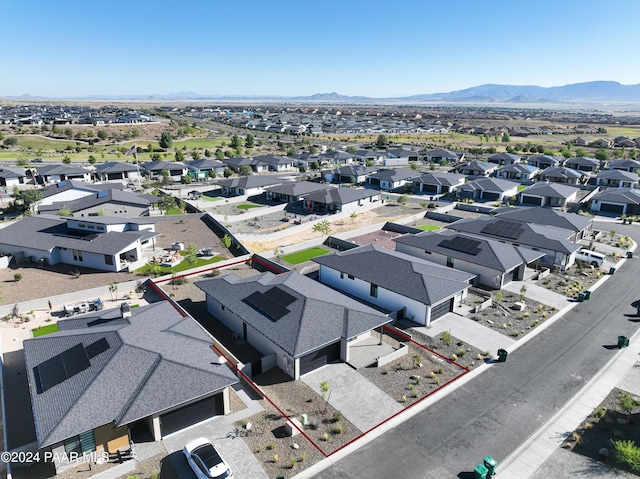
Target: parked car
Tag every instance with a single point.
(204, 459)
(591, 257)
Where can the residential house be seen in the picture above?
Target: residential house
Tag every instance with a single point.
(504, 159)
(579, 141)
(393, 178)
(308, 159)
(493, 263)
(560, 174)
(66, 191)
(293, 191)
(580, 225)
(338, 158)
(100, 242)
(589, 165)
(617, 179)
(625, 165)
(370, 156)
(623, 142)
(602, 143)
(277, 163)
(154, 169)
(10, 177)
(488, 189)
(554, 242)
(117, 170)
(545, 193)
(55, 173)
(398, 156)
(620, 201)
(517, 172)
(408, 287)
(107, 371)
(247, 185)
(112, 202)
(543, 161)
(437, 183)
(205, 168)
(440, 155)
(351, 174)
(340, 200)
(237, 163)
(298, 324)
(475, 168)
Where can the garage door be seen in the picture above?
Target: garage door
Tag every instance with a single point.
(609, 208)
(319, 358)
(192, 414)
(487, 195)
(441, 309)
(430, 188)
(531, 200)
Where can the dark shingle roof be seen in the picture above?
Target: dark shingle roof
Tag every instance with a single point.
(110, 196)
(551, 190)
(446, 179)
(617, 175)
(340, 196)
(77, 185)
(318, 315)
(144, 371)
(48, 170)
(547, 216)
(395, 175)
(492, 254)
(489, 184)
(561, 172)
(628, 196)
(298, 188)
(518, 168)
(116, 167)
(418, 279)
(249, 181)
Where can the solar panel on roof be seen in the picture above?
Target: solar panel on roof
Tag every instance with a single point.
(280, 296)
(463, 245)
(75, 360)
(49, 373)
(100, 346)
(62, 183)
(266, 306)
(102, 194)
(504, 229)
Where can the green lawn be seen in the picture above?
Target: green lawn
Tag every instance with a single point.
(304, 255)
(211, 198)
(174, 211)
(180, 267)
(247, 206)
(200, 143)
(428, 227)
(521, 187)
(42, 330)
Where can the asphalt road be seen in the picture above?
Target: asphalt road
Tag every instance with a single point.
(494, 413)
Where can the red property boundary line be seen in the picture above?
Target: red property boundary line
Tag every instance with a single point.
(262, 393)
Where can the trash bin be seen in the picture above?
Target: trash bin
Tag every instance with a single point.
(580, 297)
(502, 355)
(480, 472)
(623, 342)
(612, 270)
(490, 463)
(587, 295)
(629, 254)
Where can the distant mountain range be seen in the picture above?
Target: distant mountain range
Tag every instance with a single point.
(595, 91)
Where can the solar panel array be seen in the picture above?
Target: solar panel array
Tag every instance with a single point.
(272, 303)
(504, 229)
(67, 364)
(461, 244)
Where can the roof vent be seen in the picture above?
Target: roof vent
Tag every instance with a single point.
(125, 310)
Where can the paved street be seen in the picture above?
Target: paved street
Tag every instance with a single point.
(498, 410)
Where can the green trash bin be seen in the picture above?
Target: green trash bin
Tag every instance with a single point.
(490, 463)
(587, 295)
(580, 297)
(502, 355)
(480, 472)
(612, 270)
(629, 254)
(623, 342)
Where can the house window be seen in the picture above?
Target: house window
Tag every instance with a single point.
(80, 444)
(374, 290)
(350, 276)
(449, 262)
(77, 255)
(108, 259)
(341, 275)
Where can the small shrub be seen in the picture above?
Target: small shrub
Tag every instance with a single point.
(404, 398)
(479, 357)
(446, 337)
(17, 277)
(276, 458)
(432, 375)
(600, 412)
(302, 458)
(325, 437)
(293, 463)
(271, 447)
(439, 370)
(337, 429)
(628, 453)
(454, 357)
(462, 352)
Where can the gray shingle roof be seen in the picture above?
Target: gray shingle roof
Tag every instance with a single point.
(547, 216)
(489, 184)
(318, 316)
(298, 188)
(48, 170)
(628, 196)
(445, 179)
(415, 278)
(249, 181)
(492, 254)
(518, 168)
(205, 164)
(144, 371)
(112, 196)
(116, 167)
(395, 175)
(163, 165)
(352, 170)
(6, 172)
(617, 175)
(551, 190)
(561, 172)
(46, 232)
(78, 185)
(531, 235)
(340, 196)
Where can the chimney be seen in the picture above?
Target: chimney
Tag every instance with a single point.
(125, 310)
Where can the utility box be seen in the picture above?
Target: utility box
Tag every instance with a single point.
(612, 270)
(629, 254)
(623, 342)
(502, 355)
(587, 295)
(580, 298)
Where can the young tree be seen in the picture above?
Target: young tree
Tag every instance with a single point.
(228, 172)
(323, 227)
(92, 160)
(165, 139)
(30, 198)
(219, 154)
(236, 142)
(179, 156)
(11, 141)
(249, 141)
(382, 141)
(226, 241)
(65, 211)
(245, 170)
(506, 138)
(195, 155)
(191, 254)
(602, 155)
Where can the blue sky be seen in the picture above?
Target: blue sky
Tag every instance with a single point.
(373, 48)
